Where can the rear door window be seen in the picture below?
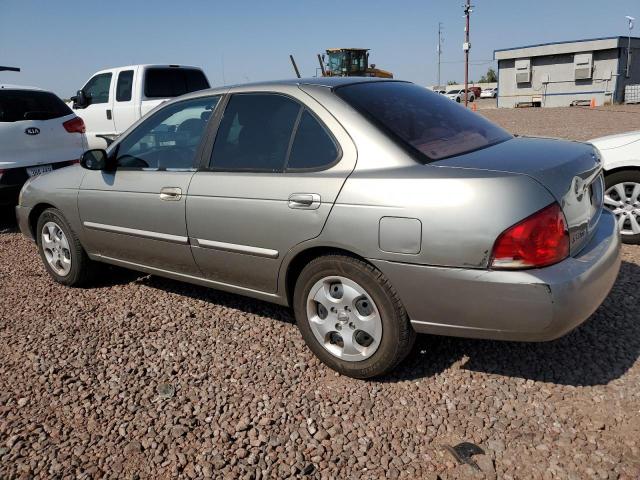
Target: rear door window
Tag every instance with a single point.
(313, 147)
(98, 88)
(124, 86)
(429, 125)
(173, 82)
(255, 133)
(17, 105)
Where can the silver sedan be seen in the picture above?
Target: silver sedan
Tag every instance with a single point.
(376, 209)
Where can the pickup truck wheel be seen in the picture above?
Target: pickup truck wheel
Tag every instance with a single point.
(351, 317)
(622, 198)
(60, 250)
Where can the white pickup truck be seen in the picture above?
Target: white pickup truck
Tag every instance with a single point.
(113, 99)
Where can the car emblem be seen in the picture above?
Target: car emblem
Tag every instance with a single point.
(32, 131)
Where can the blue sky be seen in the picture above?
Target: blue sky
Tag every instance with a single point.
(59, 45)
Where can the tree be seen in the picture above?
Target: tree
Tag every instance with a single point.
(490, 77)
(452, 82)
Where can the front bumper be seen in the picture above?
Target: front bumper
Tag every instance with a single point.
(22, 216)
(527, 305)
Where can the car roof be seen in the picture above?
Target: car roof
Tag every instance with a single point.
(328, 82)
(9, 86)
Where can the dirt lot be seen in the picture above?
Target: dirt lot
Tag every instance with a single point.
(142, 377)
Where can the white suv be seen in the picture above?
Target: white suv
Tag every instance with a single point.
(38, 133)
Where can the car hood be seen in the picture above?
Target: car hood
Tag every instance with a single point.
(569, 170)
(615, 141)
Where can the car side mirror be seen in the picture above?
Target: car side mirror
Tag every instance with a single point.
(94, 159)
(81, 100)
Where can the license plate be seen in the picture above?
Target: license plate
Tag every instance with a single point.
(39, 170)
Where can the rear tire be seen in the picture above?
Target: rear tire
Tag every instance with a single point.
(367, 331)
(61, 252)
(622, 198)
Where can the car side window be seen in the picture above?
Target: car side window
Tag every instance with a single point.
(169, 139)
(255, 133)
(98, 88)
(312, 146)
(124, 86)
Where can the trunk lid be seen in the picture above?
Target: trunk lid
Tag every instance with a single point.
(35, 142)
(571, 171)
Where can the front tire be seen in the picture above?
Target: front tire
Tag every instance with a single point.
(60, 249)
(351, 317)
(622, 198)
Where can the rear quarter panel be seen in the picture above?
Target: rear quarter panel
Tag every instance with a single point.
(462, 212)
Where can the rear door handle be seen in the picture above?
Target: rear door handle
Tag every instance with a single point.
(170, 194)
(309, 201)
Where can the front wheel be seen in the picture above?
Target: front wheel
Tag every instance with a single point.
(351, 317)
(60, 250)
(622, 198)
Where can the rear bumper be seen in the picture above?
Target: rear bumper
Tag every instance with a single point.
(530, 305)
(9, 194)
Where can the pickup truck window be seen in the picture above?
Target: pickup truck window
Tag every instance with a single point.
(169, 139)
(173, 82)
(124, 86)
(98, 88)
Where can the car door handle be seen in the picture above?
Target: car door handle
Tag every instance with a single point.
(109, 114)
(170, 194)
(309, 201)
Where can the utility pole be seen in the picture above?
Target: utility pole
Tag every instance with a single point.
(439, 50)
(466, 47)
(630, 20)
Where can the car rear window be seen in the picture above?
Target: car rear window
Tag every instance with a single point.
(173, 82)
(17, 105)
(427, 123)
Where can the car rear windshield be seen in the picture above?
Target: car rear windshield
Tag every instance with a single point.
(173, 82)
(427, 123)
(17, 105)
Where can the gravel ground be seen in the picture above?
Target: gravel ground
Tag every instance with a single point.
(142, 377)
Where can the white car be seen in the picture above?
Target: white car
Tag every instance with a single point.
(114, 99)
(38, 133)
(489, 93)
(621, 164)
(458, 95)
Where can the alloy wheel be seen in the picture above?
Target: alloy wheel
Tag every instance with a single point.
(623, 200)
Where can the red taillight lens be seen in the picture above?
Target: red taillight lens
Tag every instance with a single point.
(75, 125)
(537, 241)
(1, 172)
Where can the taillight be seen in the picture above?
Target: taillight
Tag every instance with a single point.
(1, 172)
(75, 125)
(537, 241)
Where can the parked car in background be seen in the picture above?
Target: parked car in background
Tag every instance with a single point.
(621, 163)
(489, 93)
(458, 95)
(113, 99)
(476, 91)
(38, 133)
(256, 190)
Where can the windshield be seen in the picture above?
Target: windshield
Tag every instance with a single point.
(17, 105)
(453, 92)
(424, 121)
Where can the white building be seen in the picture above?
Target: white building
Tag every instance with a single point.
(564, 73)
